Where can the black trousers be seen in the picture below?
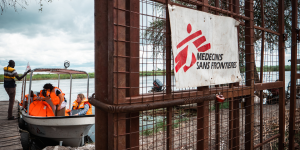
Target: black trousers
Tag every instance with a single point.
(11, 93)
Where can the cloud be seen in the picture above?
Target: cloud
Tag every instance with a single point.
(64, 30)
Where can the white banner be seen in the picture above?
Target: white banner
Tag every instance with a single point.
(205, 48)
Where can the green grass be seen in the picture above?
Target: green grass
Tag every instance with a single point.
(154, 73)
(52, 76)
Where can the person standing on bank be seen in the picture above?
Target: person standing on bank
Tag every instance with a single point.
(10, 86)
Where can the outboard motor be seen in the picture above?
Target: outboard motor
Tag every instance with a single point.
(157, 85)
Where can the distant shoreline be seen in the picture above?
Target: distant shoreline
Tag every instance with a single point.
(79, 76)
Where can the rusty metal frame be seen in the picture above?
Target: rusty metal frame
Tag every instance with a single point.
(293, 74)
(117, 68)
(147, 106)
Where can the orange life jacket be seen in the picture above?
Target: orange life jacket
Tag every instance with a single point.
(55, 99)
(40, 109)
(67, 112)
(81, 106)
(42, 96)
(26, 97)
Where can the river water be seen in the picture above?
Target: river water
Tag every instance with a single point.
(80, 86)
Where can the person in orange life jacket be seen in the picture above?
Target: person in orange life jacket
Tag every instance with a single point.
(24, 101)
(83, 104)
(10, 86)
(43, 94)
(56, 95)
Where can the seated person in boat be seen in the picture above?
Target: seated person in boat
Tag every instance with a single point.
(43, 94)
(57, 99)
(24, 101)
(83, 104)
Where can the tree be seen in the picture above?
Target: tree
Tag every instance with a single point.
(155, 33)
(18, 4)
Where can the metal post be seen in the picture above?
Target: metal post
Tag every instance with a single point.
(58, 80)
(262, 70)
(103, 12)
(170, 144)
(70, 91)
(203, 107)
(281, 55)
(88, 85)
(24, 88)
(293, 74)
(249, 52)
(28, 103)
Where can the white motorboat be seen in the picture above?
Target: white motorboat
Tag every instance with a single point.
(68, 129)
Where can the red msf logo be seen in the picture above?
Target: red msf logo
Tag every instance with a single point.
(181, 57)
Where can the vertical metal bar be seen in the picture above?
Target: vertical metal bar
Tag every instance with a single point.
(29, 97)
(231, 99)
(202, 120)
(70, 91)
(249, 39)
(262, 70)
(101, 17)
(202, 108)
(24, 87)
(217, 124)
(281, 49)
(236, 116)
(236, 125)
(58, 80)
(168, 80)
(293, 74)
(132, 48)
(88, 85)
(117, 50)
(217, 106)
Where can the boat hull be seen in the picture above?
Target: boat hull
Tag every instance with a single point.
(70, 130)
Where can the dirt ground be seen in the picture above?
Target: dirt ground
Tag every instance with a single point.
(186, 134)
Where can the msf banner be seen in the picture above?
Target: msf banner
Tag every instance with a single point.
(205, 48)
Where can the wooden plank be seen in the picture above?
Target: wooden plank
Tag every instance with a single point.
(7, 130)
(11, 134)
(12, 147)
(8, 139)
(5, 121)
(4, 117)
(10, 143)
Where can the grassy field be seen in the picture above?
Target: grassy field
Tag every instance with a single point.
(53, 76)
(79, 76)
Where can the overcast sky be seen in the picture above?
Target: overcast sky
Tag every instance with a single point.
(64, 30)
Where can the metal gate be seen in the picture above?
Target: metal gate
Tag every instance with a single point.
(294, 116)
(133, 48)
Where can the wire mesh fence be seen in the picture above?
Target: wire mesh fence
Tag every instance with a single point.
(147, 110)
